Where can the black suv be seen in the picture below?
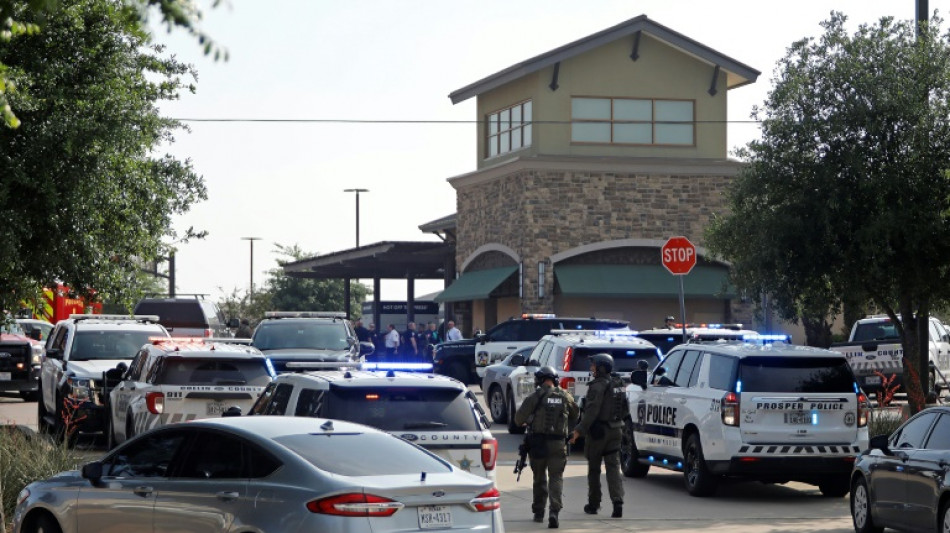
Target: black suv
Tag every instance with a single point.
(187, 317)
(466, 359)
(296, 341)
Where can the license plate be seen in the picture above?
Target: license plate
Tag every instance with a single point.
(435, 517)
(872, 380)
(215, 408)
(798, 418)
(6, 376)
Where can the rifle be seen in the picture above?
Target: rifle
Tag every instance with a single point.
(522, 457)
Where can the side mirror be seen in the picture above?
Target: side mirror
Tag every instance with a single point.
(36, 334)
(639, 377)
(54, 353)
(533, 362)
(481, 337)
(879, 442)
(517, 360)
(232, 411)
(115, 375)
(366, 348)
(93, 472)
(234, 323)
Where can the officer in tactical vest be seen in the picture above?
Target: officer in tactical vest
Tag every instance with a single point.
(601, 426)
(549, 414)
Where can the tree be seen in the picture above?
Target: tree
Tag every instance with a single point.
(85, 199)
(846, 196)
(25, 17)
(306, 294)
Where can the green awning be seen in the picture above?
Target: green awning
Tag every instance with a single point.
(475, 285)
(622, 281)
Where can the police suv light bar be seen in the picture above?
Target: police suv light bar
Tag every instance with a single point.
(138, 318)
(538, 315)
(767, 338)
(313, 365)
(420, 367)
(305, 314)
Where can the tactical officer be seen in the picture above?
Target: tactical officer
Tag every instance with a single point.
(549, 412)
(602, 425)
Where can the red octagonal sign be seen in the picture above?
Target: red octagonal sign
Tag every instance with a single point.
(678, 255)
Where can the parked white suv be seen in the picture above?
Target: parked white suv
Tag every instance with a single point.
(773, 413)
(436, 412)
(79, 351)
(569, 352)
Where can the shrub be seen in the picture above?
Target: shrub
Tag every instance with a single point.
(884, 422)
(26, 457)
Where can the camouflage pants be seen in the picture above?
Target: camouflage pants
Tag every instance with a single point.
(606, 450)
(549, 476)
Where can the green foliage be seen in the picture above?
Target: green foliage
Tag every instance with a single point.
(239, 304)
(884, 421)
(847, 194)
(84, 198)
(26, 457)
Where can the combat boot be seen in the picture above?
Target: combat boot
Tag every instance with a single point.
(618, 510)
(552, 521)
(539, 517)
(591, 508)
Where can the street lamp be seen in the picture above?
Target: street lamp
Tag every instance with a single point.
(357, 191)
(251, 240)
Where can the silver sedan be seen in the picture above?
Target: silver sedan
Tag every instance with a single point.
(496, 385)
(259, 474)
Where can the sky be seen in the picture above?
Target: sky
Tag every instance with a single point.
(387, 67)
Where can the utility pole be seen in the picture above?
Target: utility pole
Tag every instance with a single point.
(357, 191)
(251, 240)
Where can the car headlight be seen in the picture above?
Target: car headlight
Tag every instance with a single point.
(37, 357)
(80, 389)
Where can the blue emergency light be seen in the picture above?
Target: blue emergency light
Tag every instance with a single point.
(412, 367)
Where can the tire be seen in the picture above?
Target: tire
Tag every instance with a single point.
(699, 480)
(861, 508)
(944, 525)
(629, 457)
(30, 396)
(497, 405)
(834, 487)
(41, 426)
(512, 428)
(44, 523)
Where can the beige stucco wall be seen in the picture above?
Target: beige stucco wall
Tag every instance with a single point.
(660, 72)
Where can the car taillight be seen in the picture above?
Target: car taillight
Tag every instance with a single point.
(354, 504)
(568, 355)
(155, 401)
(729, 407)
(489, 453)
(864, 407)
(487, 501)
(568, 385)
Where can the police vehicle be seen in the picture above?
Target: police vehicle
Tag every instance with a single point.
(665, 339)
(771, 412)
(569, 352)
(181, 379)
(295, 341)
(436, 412)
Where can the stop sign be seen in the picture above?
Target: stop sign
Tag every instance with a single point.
(678, 255)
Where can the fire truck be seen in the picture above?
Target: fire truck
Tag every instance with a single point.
(56, 304)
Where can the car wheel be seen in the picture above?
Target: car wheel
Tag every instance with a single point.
(44, 524)
(29, 396)
(41, 425)
(833, 487)
(512, 428)
(861, 509)
(629, 457)
(699, 480)
(944, 525)
(497, 405)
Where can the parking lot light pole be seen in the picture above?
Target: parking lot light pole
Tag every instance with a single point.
(357, 191)
(251, 240)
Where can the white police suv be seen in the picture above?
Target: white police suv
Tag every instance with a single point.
(767, 412)
(180, 379)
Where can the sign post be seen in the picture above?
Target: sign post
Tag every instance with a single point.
(678, 255)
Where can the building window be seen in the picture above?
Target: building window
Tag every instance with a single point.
(632, 121)
(509, 129)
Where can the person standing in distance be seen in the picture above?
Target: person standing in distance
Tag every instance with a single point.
(362, 334)
(392, 340)
(551, 412)
(453, 333)
(669, 323)
(244, 331)
(602, 427)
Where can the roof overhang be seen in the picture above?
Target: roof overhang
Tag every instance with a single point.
(384, 260)
(737, 74)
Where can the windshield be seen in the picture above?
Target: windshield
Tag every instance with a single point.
(796, 374)
(362, 454)
(251, 372)
(301, 334)
(625, 359)
(109, 344)
(11, 327)
(403, 408)
(875, 331)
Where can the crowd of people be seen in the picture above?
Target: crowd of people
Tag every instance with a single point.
(415, 343)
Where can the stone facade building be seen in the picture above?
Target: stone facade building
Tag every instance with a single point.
(590, 157)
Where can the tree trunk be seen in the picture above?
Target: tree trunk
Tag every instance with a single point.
(817, 331)
(914, 340)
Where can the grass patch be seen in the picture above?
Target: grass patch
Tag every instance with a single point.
(884, 422)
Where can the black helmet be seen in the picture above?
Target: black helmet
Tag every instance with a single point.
(603, 362)
(543, 373)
